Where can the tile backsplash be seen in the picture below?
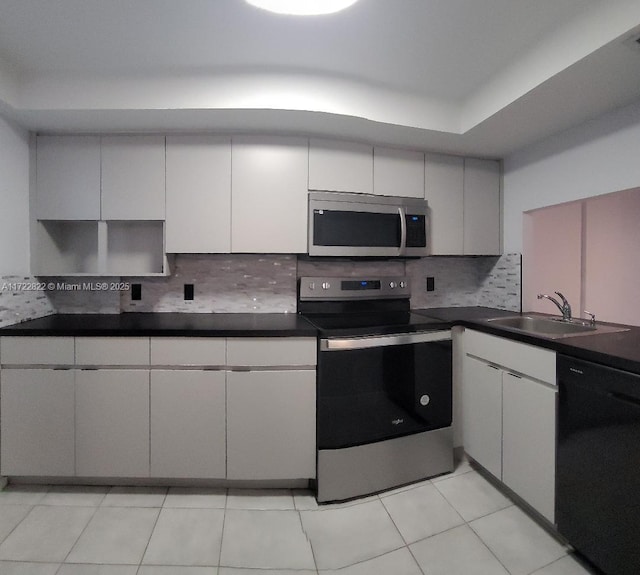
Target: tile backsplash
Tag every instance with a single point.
(22, 299)
(263, 283)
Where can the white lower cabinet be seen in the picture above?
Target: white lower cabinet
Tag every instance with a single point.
(271, 430)
(509, 415)
(188, 437)
(136, 407)
(112, 423)
(37, 422)
(529, 439)
(482, 419)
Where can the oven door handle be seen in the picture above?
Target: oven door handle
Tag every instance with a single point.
(348, 343)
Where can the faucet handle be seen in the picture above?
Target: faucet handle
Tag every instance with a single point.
(564, 299)
(593, 317)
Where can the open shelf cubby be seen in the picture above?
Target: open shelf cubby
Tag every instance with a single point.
(94, 248)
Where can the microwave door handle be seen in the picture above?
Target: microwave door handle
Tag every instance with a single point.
(403, 231)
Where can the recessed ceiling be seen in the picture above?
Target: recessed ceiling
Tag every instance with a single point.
(427, 73)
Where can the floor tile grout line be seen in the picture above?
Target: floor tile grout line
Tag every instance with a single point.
(146, 547)
(306, 535)
(224, 520)
(18, 524)
(95, 510)
(488, 547)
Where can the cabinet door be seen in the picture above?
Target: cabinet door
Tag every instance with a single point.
(482, 207)
(188, 437)
(133, 178)
(444, 192)
(398, 173)
(529, 441)
(198, 194)
(482, 414)
(271, 425)
(68, 178)
(340, 166)
(269, 195)
(37, 422)
(112, 423)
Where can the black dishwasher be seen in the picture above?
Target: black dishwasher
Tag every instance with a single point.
(598, 464)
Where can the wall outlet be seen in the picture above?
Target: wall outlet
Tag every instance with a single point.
(188, 292)
(136, 292)
(431, 284)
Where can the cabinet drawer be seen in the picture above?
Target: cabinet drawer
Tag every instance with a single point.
(36, 350)
(188, 351)
(112, 351)
(535, 362)
(260, 351)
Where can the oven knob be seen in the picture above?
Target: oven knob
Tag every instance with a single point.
(312, 286)
(326, 285)
(403, 284)
(392, 285)
(425, 399)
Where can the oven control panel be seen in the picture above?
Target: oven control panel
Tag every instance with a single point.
(341, 288)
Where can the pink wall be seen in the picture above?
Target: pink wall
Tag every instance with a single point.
(590, 251)
(612, 271)
(552, 256)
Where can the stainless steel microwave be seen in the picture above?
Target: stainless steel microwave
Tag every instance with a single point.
(346, 224)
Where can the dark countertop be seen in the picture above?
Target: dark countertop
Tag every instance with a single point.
(167, 325)
(620, 350)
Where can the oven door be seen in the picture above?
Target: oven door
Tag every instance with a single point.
(381, 387)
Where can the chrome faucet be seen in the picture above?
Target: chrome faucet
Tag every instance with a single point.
(564, 307)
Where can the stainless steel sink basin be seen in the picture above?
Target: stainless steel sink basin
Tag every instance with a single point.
(552, 328)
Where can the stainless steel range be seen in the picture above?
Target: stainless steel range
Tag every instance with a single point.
(384, 386)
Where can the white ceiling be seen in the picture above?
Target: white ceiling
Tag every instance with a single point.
(463, 76)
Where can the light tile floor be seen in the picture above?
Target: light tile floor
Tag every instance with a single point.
(457, 524)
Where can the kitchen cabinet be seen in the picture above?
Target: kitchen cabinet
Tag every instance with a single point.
(509, 415)
(112, 423)
(481, 207)
(271, 411)
(188, 407)
(100, 206)
(269, 195)
(36, 406)
(188, 435)
(198, 210)
(340, 166)
(37, 422)
(271, 424)
(112, 406)
(482, 409)
(133, 178)
(444, 180)
(112, 351)
(100, 248)
(464, 203)
(398, 173)
(67, 178)
(529, 425)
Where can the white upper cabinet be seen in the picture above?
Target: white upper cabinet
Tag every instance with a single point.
(464, 201)
(269, 195)
(444, 181)
(340, 166)
(68, 178)
(198, 194)
(398, 173)
(481, 207)
(133, 177)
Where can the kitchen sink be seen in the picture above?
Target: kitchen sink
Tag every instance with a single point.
(552, 328)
